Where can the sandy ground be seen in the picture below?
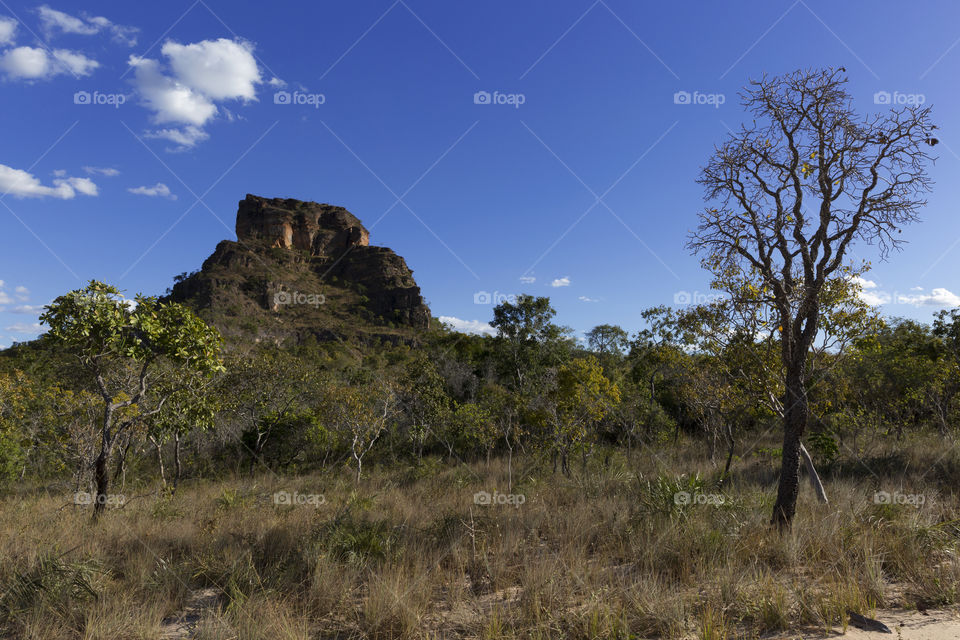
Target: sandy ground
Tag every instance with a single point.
(906, 625)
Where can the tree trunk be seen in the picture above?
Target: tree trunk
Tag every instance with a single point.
(121, 472)
(157, 447)
(101, 476)
(731, 445)
(795, 416)
(176, 460)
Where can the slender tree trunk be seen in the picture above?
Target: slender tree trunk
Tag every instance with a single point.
(176, 460)
(731, 445)
(121, 472)
(796, 412)
(159, 450)
(101, 476)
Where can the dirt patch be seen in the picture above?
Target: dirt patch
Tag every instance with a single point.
(906, 625)
(183, 624)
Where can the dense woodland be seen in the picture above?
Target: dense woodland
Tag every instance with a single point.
(533, 389)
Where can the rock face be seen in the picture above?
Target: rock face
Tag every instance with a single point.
(322, 229)
(288, 251)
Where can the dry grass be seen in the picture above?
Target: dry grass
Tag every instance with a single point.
(604, 554)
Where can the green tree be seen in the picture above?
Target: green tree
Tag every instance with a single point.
(609, 342)
(791, 194)
(527, 340)
(120, 348)
(583, 396)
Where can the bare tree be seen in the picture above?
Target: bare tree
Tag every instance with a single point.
(790, 194)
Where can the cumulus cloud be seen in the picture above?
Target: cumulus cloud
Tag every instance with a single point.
(195, 77)
(22, 293)
(25, 328)
(158, 190)
(8, 28)
(468, 326)
(528, 279)
(871, 294)
(108, 172)
(938, 297)
(22, 184)
(54, 22)
(586, 299)
(33, 63)
(29, 309)
(219, 69)
(561, 282)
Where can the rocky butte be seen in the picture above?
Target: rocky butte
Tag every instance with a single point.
(311, 268)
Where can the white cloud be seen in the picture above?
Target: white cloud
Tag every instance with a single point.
(277, 82)
(76, 63)
(22, 184)
(8, 27)
(108, 172)
(938, 297)
(170, 100)
(197, 76)
(528, 279)
(869, 293)
(29, 309)
(561, 282)
(184, 138)
(586, 299)
(23, 327)
(468, 326)
(158, 190)
(32, 63)
(220, 69)
(54, 21)
(872, 295)
(22, 293)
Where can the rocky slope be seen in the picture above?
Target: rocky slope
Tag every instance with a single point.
(301, 269)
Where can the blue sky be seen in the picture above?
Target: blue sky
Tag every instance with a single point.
(500, 147)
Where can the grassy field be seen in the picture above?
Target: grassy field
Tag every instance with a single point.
(649, 546)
